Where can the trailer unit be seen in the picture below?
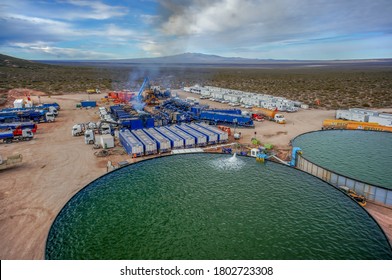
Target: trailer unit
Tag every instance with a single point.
(150, 146)
(216, 117)
(201, 139)
(212, 137)
(130, 143)
(222, 136)
(176, 141)
(381, 120)
(189, 140)
(163, 144)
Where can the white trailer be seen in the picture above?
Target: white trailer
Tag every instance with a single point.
(351, 115)
(381, 120)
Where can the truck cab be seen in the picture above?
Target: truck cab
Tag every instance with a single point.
(49, 117)
(53, 110)
(279, 118)
(27, 134)
(257, 117)
(89, 137)
(77, 130)
(105, 128)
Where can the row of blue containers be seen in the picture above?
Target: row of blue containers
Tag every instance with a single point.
(176, 142)
(212, 138)
(222, 136)
(163, 139)
(130, 143)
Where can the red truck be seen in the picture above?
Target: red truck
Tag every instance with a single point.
(19, 132)
(257, 118)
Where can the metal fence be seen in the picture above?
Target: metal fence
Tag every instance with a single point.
(372, 193)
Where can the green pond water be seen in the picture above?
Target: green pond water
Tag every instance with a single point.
(212, 206)
(362, 155)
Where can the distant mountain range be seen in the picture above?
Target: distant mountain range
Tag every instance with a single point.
(201, 59)
(197, 58)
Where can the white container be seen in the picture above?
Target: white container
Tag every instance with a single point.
(18, 103)
(28, 104)
(107, 141)
(381, 120)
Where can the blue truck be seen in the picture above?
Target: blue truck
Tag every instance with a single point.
(219, 117)
(26, 116)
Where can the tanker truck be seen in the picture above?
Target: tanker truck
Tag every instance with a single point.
(272, 115)
(9, 137)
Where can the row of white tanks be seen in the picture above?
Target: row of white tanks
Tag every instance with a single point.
(247, 99)
(363, 115)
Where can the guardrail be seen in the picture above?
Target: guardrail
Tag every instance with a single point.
(371, 192)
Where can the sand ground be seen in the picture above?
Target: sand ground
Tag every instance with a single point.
(57, 165)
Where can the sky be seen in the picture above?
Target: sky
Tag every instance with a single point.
(264, 29)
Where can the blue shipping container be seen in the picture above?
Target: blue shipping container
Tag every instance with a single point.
(88, 103)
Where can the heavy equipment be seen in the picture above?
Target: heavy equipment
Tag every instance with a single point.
(10, 161)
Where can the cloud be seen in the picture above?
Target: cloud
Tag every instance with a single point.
(95, 10)
(19, 27)
(60, 53)
(248, 28)
(256, 22)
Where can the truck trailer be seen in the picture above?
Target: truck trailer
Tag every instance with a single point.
(150, 146)
(212, 137)
(163, 144)
(189, 140)
(131, 144)
(218, 117)
(222, 135)
(176, 141)
(201, 139)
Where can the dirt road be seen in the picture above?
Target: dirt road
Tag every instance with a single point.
(57, 165)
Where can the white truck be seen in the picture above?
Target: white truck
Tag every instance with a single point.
(89, 137)
(78, 129)
(279, 118)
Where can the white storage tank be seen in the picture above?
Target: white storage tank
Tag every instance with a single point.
(107, 141)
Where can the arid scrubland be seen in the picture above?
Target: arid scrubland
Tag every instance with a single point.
(333, 85)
